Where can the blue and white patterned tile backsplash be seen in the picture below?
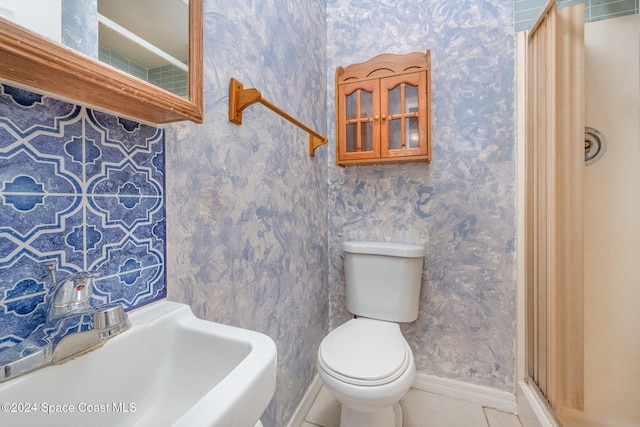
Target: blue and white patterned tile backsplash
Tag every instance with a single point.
(84, 189)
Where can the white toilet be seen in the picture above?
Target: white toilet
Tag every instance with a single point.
(366, 363)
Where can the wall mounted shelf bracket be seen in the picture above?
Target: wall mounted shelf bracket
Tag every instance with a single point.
(240, 98)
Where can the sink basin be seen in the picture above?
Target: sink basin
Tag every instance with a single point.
(169, 369)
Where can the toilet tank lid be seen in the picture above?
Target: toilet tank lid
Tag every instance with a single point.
(383, 248)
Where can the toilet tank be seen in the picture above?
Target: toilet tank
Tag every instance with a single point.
(383, 280)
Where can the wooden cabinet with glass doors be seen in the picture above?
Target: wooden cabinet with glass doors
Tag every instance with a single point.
(383, 110)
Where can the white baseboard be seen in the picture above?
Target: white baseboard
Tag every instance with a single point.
(305, 404)
(485, 396)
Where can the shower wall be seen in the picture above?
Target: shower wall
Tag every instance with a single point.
(612, 228)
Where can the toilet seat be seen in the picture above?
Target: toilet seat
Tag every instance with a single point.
(365, 352)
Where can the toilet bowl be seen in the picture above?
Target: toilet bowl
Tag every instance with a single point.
(366, 363)
(368, 366)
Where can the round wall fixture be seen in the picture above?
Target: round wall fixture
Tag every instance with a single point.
(595, 144)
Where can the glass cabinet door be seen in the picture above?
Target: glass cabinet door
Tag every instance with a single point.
(403, 114)
(359, 120)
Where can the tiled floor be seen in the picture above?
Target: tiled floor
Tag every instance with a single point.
(420, 409)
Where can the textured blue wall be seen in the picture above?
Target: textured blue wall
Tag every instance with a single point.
(461, 207)
(247, 205)
(84, 189)
(254, 224)
(80, 26)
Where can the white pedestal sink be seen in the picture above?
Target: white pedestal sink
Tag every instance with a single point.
(169, 369)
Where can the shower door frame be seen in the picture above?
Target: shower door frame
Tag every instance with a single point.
(553, 163)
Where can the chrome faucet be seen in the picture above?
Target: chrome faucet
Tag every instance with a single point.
(72, 327)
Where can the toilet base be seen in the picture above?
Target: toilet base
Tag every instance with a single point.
(390, 416)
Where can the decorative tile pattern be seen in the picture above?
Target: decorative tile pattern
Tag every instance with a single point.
(85, 189)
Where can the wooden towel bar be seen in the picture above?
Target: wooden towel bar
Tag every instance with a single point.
(240, 98)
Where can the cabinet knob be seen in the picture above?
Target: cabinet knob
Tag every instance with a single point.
(384, 117)
(376, 117)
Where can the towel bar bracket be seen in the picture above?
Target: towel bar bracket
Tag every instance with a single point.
(240, 98)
